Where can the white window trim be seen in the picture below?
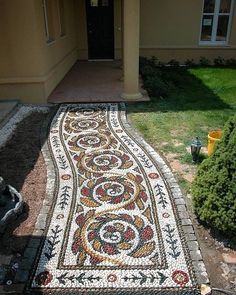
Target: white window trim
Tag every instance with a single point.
(215, 23)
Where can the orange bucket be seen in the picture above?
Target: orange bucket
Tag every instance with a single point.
(213, 137)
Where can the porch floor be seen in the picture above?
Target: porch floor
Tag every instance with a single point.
(91, 82)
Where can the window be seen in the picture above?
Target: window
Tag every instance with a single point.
(48, 10)
(216, 21)
(62, 17)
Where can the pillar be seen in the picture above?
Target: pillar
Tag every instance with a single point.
(131, 28)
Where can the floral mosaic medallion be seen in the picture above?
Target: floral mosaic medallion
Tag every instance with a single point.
(113, 225)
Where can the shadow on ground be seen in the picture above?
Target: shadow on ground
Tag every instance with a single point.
(186, 93)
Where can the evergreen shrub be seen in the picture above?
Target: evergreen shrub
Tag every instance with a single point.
(174, 63)
(155, 86)
(204, 62)
(190, 63)
(214, 188)
(219, 62)
(148, 70)
(231, 62)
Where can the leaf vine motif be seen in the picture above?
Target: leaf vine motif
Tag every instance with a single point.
(80, 278)
(62, 162)
(52, 241)
(172, 241)
(143, 278)
(162, 196)
(64, 197)
(55, 141)
(114, 121)
(144, 159)
(127, 140)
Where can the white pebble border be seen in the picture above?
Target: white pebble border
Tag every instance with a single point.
(24, 111)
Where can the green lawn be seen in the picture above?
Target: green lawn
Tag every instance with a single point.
(201, 100)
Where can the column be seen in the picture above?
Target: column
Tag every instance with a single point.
(131, 24)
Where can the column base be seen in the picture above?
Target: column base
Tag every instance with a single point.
(132, 96)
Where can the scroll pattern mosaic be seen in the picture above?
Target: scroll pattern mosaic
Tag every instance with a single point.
(114, 225)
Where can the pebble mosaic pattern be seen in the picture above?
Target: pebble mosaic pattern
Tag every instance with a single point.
(114, 225)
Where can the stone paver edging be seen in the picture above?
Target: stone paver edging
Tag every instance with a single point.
(195, 252)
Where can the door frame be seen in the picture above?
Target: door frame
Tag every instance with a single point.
(114, 35)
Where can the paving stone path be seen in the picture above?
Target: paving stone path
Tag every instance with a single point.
(114, 218)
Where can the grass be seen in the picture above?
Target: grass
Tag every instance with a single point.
(202, 100)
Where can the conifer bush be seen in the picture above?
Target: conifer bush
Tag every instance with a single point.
(155, 86)
(214, 188)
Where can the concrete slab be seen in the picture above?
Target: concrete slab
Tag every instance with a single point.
(92, 82)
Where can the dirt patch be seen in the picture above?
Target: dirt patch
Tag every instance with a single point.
(164, 143)
(221, 274)
(175, 133)
(177, 143)
(184, 170)
(23, 167)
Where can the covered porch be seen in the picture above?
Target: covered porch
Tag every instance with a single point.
(46, 47)
(108, 54)
(100, 81)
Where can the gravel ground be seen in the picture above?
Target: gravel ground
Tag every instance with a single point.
(22, 166)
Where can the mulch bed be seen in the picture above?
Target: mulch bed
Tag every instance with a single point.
(22, 166)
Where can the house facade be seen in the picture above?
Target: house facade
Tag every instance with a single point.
(42, 39)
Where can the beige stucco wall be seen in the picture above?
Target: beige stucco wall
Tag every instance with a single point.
(167, 30)
(171, 29)
(29, 67)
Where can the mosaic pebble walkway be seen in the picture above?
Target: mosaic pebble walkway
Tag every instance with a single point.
(116, 219)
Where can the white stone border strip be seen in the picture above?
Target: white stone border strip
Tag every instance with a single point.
(22, 111)
(195, 252)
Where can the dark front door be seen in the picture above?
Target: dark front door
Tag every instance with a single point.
(100, 26)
